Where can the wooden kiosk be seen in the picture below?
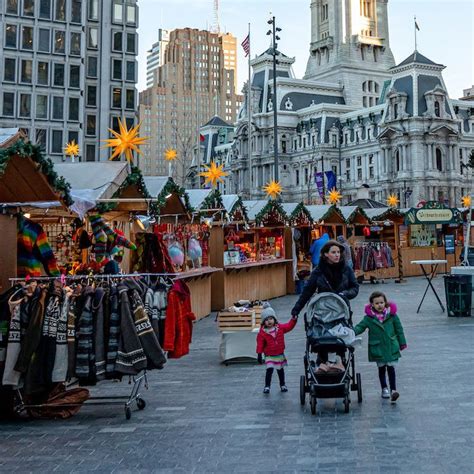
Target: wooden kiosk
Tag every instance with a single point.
(28, 183)
(251, 255)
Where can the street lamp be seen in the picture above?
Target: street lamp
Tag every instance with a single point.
(275, 37)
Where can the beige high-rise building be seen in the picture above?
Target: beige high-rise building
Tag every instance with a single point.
(196, 82)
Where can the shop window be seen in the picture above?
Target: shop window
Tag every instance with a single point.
(439, 160)
(57, 142)
(44, 40)
(27, 38)
(45, 9)
(74, 109)
(12, 7)
(59, 42)
(41, 106)
(8, 104)
(43, 73)
(25, 105)
(26, 71)
(58, 76)
(9, 70)
(74, 76)
(58, 108)
(29, 8)
(76, 11)
(60, 12)
(11, 36)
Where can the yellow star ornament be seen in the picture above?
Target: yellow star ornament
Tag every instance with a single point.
(71, 149)
(466, 201)
(273, 189)
(171, 154)
(125, 142)
(213, 174)
(392, 200)
(334, 196)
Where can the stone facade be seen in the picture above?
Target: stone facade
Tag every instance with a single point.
(390, 128)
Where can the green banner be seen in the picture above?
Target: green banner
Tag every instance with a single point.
(433, 213)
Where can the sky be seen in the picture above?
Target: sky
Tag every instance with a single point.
(446, 33)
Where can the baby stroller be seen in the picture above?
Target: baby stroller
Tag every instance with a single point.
(329, 358)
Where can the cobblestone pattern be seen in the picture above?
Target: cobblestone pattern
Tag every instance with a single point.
(202, 416)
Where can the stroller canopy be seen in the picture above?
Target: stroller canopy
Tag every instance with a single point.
(327, 308)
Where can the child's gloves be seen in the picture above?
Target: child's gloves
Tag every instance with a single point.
(403, 346)
(260, 358)
(294, 316)
(294, 313)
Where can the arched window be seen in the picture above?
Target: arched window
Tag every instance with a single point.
(437, 109)
(397, 160)
(439, 160)
(395, 111)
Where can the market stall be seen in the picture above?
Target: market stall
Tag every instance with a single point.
(251, 255)
(28, 185)
(298, 238)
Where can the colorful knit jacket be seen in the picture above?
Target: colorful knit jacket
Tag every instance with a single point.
(33, 250)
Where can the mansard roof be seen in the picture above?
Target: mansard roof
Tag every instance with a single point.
(269, 51)
(418, 58)
(216, 121)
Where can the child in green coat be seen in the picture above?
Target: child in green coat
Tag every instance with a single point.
(386, 339)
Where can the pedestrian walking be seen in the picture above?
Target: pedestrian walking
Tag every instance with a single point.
(271, 343)
(386, 339)
(332, 275)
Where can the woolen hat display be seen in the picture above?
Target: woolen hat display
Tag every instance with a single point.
(268, 312)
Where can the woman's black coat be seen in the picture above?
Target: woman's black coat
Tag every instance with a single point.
(348, 287)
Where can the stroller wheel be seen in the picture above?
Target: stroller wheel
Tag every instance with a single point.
(302, 390)
(359, 388)
(346, 404)
(313, 405)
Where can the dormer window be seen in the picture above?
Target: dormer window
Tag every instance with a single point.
(437, 109)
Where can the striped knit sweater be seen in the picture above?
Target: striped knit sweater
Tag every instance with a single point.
(34, 250)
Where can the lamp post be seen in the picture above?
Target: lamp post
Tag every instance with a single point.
(275, 37)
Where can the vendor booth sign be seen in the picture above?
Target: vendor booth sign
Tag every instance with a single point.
(433, 213)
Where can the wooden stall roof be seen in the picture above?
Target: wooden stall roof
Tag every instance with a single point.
(386, 213)
(233, 204)
(330, 214)
(26, 175)
(197, 198)
(354, 215)
(171, 198)
(295, 209)
(258, 210)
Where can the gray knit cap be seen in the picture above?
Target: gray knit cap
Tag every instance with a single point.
(268, 312)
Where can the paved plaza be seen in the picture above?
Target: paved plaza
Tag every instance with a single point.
(202, 416)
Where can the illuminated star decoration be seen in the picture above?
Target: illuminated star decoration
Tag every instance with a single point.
(171, 154)
(213, 174)
(466, 201)
(334, 196)
(71, 149)
(125, 142)
(273, 189)
(392, 200)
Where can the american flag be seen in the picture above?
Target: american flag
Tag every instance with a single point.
(246, 45)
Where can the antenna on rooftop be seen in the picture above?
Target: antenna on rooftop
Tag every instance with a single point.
(215, 28)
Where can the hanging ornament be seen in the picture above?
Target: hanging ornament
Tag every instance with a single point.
(366, 231)
(125, 142)
(334, 197)
(273, 189)
(71, 149)
(466, 201)
(392, 200)
(213, 174)
(171, 154)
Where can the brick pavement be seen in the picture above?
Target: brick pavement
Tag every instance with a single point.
(202, 416)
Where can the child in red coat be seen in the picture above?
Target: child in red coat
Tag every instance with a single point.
(271, 342)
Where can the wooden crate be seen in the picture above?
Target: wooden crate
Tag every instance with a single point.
(233, 321)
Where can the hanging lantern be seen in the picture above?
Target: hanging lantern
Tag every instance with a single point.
(392, 200)
(334, 197)
(273, 189)
(466, 201)
(171, 154)
(125, 142)
(213, 174)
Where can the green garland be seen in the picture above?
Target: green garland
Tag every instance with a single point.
(272, 205)
(172, 188)
(45, 166)
(300, 208)
(358, 209)
(135, 178)
(332, 209)
(239, 203)
(212, 201)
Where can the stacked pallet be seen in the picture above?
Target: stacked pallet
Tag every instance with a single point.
(239, 321)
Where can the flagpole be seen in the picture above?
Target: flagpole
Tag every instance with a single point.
(249, 114)
(416, 46)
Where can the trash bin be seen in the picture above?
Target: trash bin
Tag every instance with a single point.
(458, 294)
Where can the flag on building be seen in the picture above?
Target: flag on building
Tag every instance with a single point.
(318, 178)
(331, 180)
(416, 25)
(201, 137)
(246, 45)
